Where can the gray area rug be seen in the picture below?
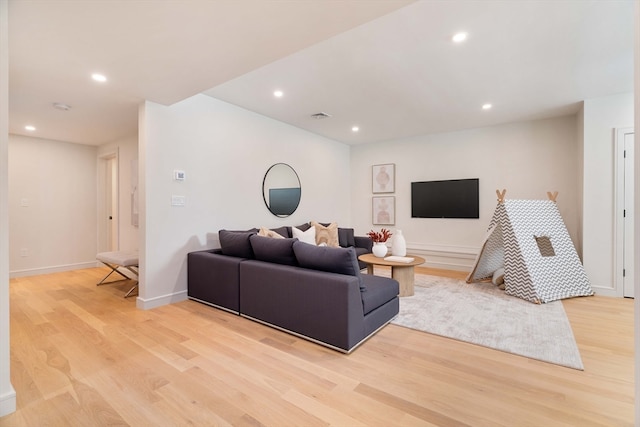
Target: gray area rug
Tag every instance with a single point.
(482, 314)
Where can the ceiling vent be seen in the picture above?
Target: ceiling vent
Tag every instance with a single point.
(320, 115)
(61, 106)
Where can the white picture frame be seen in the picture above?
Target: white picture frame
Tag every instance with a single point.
(383, 178)
(383, 210)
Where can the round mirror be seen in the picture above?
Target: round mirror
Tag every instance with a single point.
(281, 190)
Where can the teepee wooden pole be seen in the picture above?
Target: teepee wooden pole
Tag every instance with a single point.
(552, 196)
(500, 195)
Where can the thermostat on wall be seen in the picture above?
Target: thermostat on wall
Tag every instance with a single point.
(178, 175)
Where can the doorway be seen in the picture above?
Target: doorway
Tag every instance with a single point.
(624, 211)
(108, 218)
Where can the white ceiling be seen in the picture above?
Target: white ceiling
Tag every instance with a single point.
(159, 50)
(391, 70)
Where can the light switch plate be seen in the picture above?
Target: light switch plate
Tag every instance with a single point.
(179, 175)
(178, 200)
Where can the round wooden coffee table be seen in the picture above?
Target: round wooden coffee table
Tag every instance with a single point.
(403, 272)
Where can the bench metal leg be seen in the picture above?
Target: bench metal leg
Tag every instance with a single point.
(133, 288)
(114, 268)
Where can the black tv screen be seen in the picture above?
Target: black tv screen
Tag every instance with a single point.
(456, 198)
(283, 201)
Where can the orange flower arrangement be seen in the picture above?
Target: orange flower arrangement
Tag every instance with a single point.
(380, 236)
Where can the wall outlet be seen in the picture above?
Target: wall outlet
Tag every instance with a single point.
(24, 252)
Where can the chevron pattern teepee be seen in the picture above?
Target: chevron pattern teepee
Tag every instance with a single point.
(530, 240)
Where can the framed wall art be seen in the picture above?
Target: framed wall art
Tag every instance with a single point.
(383, 178)
(384, 210)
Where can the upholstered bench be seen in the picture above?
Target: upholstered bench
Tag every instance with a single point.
(117, 259)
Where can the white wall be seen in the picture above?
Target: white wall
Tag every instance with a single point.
(528, 159)
(7, 393)
(225, 152)
(127, 151)
(601, 117)
(57, 182)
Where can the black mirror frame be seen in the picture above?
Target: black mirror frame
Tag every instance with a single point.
(264, 196)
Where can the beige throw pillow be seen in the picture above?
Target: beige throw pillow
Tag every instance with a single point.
(328, 234)
(264, 231)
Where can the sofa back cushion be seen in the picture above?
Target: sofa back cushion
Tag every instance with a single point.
(278, 251)
(325, 258)
(236, 243)
(284, 231)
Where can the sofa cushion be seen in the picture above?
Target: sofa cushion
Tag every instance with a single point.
(236, 243)
(380, 290)
(325, 258)
(303, 227)
(284, 231)
(275, 234)
(308, 236)
(327, 234)
(346, 237)
(278, 251)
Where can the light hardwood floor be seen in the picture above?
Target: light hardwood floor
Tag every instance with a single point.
(83, 355)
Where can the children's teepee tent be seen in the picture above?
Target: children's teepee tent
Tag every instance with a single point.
(529, 239)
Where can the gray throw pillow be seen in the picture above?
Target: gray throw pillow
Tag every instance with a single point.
(236, 243)
(303, 227)
(284, 231)
(346, 237)
(278, 251)
(325, 258)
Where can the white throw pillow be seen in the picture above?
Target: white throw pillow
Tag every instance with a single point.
(308, 236)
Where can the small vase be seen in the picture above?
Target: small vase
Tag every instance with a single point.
(379, 249)
(399, 246)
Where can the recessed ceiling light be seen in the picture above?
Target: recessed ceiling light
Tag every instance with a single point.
(487, 106)
(459, 37)
(99, 77)
(30, 128)
(355, 129)
(278, 93)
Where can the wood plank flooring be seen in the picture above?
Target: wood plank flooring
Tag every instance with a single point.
(83, 355)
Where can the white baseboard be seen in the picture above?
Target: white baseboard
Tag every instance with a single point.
(8, 403)
(148, 304)
(52, 269)
(446, 257)
(606, 292)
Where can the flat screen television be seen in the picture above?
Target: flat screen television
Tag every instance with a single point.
(456, 198)
(283, 201)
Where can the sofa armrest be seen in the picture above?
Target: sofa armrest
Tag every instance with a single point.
(325, 307)
(214, 278)
(364, 242)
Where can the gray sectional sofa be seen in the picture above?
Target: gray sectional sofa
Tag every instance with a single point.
(317, 293)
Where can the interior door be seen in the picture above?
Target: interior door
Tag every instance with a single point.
(111, 203)
(628, 269)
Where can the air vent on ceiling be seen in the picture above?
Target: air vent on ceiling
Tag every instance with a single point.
(320, 115)
(61, 106)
